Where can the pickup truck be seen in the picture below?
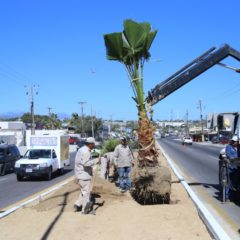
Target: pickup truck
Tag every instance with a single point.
(46, 154)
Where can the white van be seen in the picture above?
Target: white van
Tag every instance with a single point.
(45, 155)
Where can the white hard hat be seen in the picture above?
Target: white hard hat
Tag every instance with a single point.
(90, 140)
(234, 138)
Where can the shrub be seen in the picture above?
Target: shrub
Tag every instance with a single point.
(109, 145)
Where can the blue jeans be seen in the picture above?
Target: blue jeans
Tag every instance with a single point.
(125, 172)
(232, 181)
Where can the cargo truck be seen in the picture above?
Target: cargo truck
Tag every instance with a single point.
(45, 155)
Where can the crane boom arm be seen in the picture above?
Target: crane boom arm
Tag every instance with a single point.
(190, 71)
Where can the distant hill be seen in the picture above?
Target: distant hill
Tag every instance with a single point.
(62, 116)
(8, 115)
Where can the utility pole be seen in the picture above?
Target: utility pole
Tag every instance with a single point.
(92, 122)
(186, 126)
(30, 91)
(110, 125)
(49, 111)
(82, 103)
(201, 118)
(50, 116)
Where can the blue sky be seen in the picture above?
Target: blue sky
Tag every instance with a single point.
(59, 46)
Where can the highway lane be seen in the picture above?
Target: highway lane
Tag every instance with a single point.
(198, 159)
(12, 191)
(199, 166)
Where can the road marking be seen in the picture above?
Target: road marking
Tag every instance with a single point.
(34, 197)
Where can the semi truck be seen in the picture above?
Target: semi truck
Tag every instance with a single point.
(46, 154)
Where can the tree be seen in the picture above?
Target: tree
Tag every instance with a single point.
(88, 123)
(43, 121)
(131, 48)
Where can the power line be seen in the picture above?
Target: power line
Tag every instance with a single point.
(10, 78)
(10, 70)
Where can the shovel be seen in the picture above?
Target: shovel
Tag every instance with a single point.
(89, 206)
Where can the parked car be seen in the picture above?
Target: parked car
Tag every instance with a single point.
(9, 154)
(187, 140)
(222, 139)
(73, 140)
(215, 139)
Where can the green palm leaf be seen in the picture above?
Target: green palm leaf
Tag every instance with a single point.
(149, 40)
(114, 46)
(135, 36)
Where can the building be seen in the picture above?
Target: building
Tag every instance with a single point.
(13, 132)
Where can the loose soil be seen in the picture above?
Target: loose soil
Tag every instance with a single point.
(118, 217)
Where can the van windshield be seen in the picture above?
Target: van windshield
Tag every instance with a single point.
(38, 153)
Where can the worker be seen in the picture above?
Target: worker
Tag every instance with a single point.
(124, 162)
(106, 161)
(84, 173)
(232, 152)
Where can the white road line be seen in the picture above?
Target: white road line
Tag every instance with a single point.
(210, 156)
(2, 179)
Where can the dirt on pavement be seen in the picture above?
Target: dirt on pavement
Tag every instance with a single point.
(118, 217)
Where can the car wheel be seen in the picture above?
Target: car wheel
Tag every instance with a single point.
(49, 174)
(60, 171)
(2, 169)
(19, 177)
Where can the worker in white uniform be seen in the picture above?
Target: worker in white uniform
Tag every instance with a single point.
(106, 161)
(84, 173)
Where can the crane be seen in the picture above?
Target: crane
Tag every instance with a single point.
(196, 67)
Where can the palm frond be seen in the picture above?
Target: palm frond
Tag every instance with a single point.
(114, 46)
(135, 35)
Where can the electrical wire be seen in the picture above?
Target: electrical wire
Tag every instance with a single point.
(13, 74)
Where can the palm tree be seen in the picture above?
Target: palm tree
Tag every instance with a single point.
(131, 48)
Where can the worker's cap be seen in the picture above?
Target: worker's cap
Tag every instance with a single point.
(90, 140)
(234, 138)
(123, 139)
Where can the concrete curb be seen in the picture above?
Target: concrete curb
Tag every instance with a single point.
(38, 197)
(207, 217)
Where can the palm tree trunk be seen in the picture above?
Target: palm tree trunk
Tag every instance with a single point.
(148, 155)
(151, 181)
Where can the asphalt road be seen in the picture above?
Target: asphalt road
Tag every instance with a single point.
(198, 164)
(12, 191)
